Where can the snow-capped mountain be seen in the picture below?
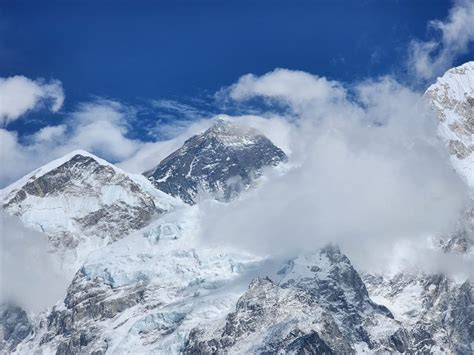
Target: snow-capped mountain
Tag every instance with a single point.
(83, 202)
(452, 97)
(220, 162)
(145, 283)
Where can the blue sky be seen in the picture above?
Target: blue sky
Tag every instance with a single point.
(153, 56)
(133, 51)
(170, 49)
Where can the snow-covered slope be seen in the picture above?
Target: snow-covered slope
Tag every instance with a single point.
(452, 97)
(220, 162)
(437, 310)
(83, 202)
(144, 293)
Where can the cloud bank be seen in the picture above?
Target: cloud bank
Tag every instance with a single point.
(367, 172)
(18, 94)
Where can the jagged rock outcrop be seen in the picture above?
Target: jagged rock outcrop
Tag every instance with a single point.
(320, 305)
(220, 162)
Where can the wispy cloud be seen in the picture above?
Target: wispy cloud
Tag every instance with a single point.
(452, 37)
(177, 108)
(174, 117)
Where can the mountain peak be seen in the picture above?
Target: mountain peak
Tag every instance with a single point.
(229, 133)
(224, 126)
(81, 202)
(220, 162)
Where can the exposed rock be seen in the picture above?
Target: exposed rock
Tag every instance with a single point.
(14, 326)
(220, 162)
(320, 306)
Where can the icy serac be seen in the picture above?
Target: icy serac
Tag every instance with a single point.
(83, 202)
(220, 162)
(452, 97)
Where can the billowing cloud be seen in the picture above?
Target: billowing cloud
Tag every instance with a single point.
(99, 127)
(367, 170)
(28, 271)
(430, 58)
(19, 94)
(293, 87)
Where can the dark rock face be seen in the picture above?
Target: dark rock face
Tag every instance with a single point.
(221, 162)
(14, 327)
(308, 344)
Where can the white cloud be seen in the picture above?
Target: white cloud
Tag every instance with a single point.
(293, 87)
(18, 94)
(49, 134)
(368, 172)
(28, 272)
(99, 127)
(427, 59)
(15, 158)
